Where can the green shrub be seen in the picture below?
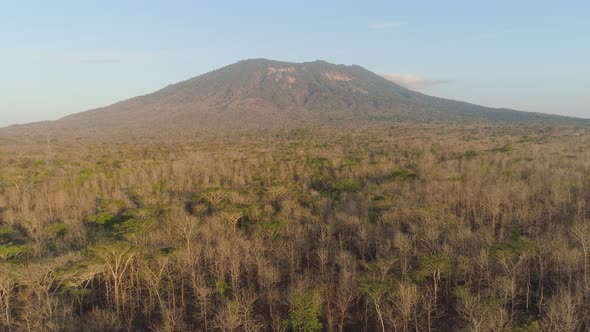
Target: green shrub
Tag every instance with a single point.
(10, 235)
(470, 154)
(403, 175)
(505, 148)
(347, 186)
(102, 218)
(304, 312)
(11, 251)
(58, 229)
(222, 289)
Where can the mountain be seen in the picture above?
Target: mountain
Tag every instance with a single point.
(264, 93)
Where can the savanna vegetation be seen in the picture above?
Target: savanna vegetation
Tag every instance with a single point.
(378, 228)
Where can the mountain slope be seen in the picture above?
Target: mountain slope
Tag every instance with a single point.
(263, 93)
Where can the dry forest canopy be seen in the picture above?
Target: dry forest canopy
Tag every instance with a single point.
(377, 228)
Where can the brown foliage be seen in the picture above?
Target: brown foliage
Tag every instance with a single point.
(395, 228)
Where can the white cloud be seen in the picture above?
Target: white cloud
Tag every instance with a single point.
(412, 81)
(387, 25)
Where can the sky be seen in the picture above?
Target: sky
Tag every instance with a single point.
(62, 57)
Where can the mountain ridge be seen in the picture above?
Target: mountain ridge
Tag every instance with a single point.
(263, 93)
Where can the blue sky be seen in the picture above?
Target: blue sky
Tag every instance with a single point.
(62, 57)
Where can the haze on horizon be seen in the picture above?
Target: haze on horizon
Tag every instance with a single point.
(65, 57)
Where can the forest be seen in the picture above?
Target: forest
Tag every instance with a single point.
(403, 227)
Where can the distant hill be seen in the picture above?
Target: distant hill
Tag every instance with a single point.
(263, 93)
